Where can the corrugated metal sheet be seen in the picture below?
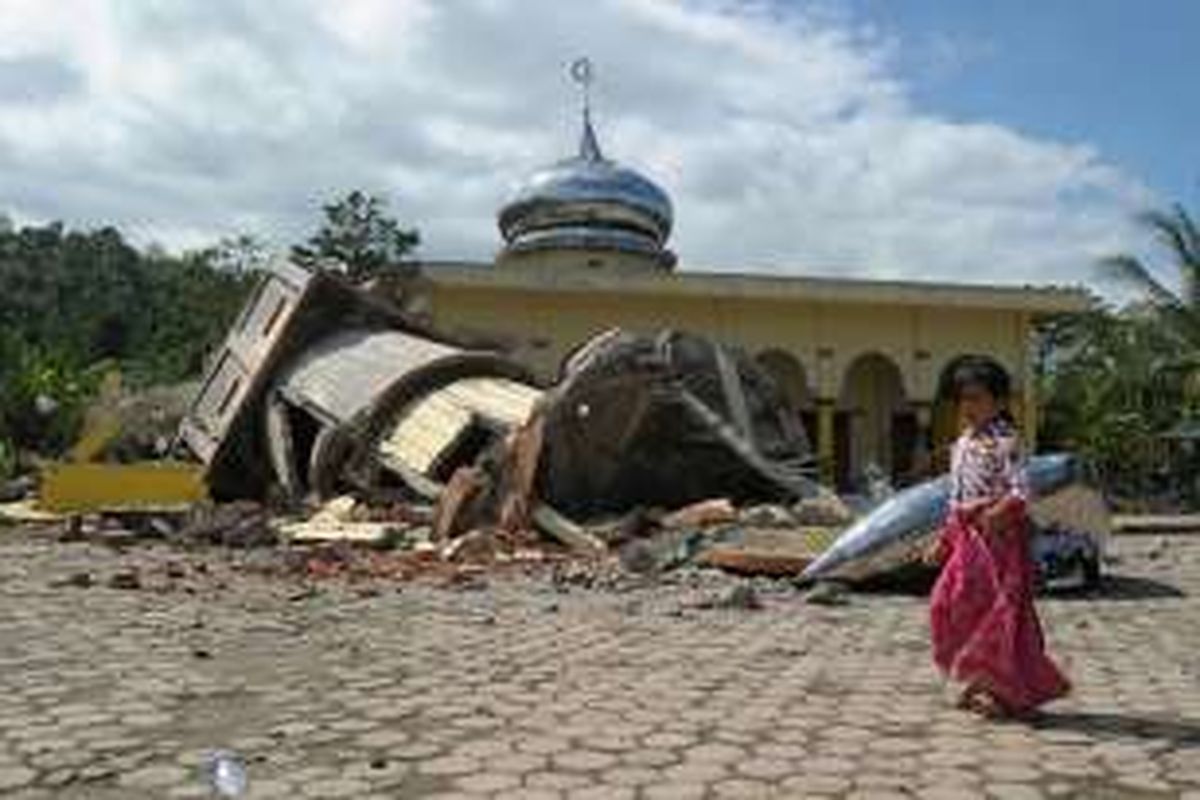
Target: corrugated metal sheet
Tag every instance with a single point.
(431, 426)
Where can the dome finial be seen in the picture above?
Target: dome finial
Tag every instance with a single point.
(582, 74)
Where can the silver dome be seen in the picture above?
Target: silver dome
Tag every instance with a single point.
(587, 203)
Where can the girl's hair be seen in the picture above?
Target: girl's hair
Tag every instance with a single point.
(984, 373)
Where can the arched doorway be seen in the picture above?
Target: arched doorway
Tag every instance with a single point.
(789, 374)
(874, 423)
(945, 422)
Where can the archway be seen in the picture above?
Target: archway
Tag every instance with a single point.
(874, 423)
(945, 422)
(789, 374)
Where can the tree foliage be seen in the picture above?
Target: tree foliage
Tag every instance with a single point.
(1113, 382)
(73, 300)
(358, 237)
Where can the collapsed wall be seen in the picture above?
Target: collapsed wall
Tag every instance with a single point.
(322, 389)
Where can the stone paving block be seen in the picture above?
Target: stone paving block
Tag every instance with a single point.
(154, 777)
(12, 778)
(795, 701)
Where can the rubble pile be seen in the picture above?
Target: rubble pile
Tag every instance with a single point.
(359, 444)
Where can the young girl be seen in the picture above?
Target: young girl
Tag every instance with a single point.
(986, 634)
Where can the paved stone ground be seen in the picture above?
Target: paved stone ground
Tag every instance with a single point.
(518, 690)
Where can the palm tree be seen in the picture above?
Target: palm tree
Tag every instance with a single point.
(1178, 233)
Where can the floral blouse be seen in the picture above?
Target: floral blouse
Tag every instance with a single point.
(988, 462)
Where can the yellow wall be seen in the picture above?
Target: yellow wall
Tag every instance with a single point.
(544, 324)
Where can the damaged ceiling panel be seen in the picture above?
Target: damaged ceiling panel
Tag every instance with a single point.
(427, 432)
(309, 379)
(666, 421)
(354, 383)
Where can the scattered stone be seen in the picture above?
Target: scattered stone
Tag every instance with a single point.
(476, 545)
(703, 514)
(824, 510)
(638, 557)
(742, 596)
(767, 516)
(242, 524)
(129, 580)
(17, 489)
(78, 580)
(827, 593)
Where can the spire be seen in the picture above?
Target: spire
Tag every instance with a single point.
(589, 146)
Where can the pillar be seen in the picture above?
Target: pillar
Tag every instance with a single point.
(923, 457)
(826, 450)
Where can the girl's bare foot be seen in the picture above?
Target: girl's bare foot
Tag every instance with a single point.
(980, 701)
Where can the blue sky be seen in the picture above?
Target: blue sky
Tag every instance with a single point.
(975, 140)
(1119, 74)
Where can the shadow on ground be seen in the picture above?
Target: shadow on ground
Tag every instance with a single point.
(918, 582)
(1123, 587)
(1183, 734)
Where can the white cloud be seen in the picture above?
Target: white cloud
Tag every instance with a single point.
(786, 138)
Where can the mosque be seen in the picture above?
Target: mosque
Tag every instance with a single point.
(584, 249)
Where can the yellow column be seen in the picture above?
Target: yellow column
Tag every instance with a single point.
(826, 453)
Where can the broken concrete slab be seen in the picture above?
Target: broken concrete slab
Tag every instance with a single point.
(769, 552)
(377, 534)
(651, 421)
(706, 513)
(27, 512)
(294, 312)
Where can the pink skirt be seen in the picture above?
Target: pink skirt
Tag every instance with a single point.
(985, 630)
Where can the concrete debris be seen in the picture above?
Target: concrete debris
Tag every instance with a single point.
(128, 580)
(77, 580)
(335, 427)
(322, 390)
(664, 551)
(567, 532)
(774, 552)
(739, 597)
(26, 512)
(458, 506)
(379, 534)
(824, 510)
(17, 489)
(666, 421)
(240, 524)
(749, 562)
(827, 593)
(474, 546)
(767, 516)
(1152, 524)
(703, 514)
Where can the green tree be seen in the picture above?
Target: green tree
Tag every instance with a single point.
(1113, 381)
(359, 238)
(73, 300)
(240, 254)
(1108, 390)
(1176, 232)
